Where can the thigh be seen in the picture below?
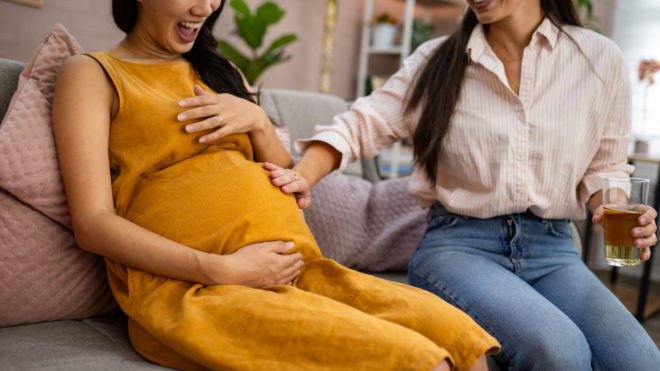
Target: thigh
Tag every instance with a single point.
(533, 333)
(617, 340)
(274, 328)
(410, 307)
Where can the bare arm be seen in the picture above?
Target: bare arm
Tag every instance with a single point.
(82, 111)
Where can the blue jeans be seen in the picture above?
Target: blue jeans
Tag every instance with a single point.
(521, 278)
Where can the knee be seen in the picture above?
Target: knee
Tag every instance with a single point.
(562, 348)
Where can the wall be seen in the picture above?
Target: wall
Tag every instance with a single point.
(22, 28)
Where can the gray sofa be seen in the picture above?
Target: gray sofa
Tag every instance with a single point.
(102, 343)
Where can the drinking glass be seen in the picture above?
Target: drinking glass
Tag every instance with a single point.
(624, 201)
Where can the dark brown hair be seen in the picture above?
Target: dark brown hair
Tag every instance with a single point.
(211, 67)
(439, 85)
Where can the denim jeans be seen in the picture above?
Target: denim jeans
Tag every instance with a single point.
(521, 278)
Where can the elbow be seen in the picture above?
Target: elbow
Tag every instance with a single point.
(85, 233)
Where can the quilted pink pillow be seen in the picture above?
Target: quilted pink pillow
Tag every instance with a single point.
(45, 276)
(28, 158)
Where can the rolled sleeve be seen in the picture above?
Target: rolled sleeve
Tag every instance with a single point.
(336, 140)
(611, 159)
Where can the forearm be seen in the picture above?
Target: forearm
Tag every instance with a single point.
(269, 148)
(318, 160)
(595, 201)
(127, 243)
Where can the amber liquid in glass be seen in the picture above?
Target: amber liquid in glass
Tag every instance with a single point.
(619, 242)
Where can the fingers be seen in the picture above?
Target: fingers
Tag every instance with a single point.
(645, 254)
(199, 91)
(292, 259)
(200, 100)
(646, 241)
(222, 132)
(285, 179)
(200, 112)
(304, 202)
(279, 247)
(209, 123)
(269, 166)
(648, 216)
(288, 280)
(646, 230)
(598, 215)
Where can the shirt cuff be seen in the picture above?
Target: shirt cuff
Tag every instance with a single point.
(336, 140)
(592, 183)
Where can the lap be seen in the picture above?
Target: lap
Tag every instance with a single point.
(529, 327)
(616, 338)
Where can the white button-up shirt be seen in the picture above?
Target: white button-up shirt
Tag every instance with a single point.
(546, 149)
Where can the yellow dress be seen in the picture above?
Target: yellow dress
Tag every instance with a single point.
(215, 198)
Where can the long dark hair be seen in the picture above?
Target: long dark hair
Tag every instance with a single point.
(211, 67)
(438, 87)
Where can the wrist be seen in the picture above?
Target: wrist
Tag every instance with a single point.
(263, 123)
(215, 269)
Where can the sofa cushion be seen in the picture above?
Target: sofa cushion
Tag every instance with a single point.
(92, 344)
(9, 72)
(45, 276)
(29, 168)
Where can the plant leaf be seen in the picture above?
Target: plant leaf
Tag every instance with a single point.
(241, 8)
(233, 55)
(281, 42)
(269, 13)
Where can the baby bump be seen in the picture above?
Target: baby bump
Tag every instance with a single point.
(216, 202)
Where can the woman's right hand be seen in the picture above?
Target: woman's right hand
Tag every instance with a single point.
(259, 265)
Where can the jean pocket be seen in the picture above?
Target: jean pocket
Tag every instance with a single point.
(442, 223)
(561, 228)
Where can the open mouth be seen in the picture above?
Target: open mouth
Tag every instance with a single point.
(481, 4)
(188, 31)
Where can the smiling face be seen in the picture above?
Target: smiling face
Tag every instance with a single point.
(491, 11)
(173, 24)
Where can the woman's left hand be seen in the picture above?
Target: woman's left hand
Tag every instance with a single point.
(645, 234)
(230, 114)
(290, 181)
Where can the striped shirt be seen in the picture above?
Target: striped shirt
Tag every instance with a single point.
(546, 149)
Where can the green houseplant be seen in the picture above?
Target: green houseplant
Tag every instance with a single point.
(252, 29)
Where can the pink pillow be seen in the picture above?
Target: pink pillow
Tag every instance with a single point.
(29, 168)
(45, 276)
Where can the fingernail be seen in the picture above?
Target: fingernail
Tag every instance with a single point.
(285, 189)
(189, 128)
(290, 244)
(637, 232)
(638, 243)
(182, 103)
(203, 140)
(182, 117)
(642, 220)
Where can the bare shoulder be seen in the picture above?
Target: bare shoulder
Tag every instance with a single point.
(83, 70)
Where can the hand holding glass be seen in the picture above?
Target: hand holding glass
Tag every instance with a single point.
(624, 201)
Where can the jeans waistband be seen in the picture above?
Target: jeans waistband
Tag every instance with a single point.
(437, 210)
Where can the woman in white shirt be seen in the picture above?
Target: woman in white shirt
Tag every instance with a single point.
(516, 118)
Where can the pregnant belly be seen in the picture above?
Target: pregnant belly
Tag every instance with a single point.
(216, 203)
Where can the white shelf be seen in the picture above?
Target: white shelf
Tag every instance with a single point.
(393, 50)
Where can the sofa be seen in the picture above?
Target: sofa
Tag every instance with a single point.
(101, 343)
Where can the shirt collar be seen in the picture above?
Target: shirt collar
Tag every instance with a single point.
(477, 43)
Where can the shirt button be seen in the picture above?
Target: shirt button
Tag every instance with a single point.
(521, 191)
(521, 155)
(521, 117)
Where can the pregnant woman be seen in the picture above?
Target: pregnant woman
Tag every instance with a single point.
(515, 120)
(204, 254)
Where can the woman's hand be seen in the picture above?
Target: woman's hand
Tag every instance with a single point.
(257, 265)
(645, 233)
(230, 114)
(290, 181)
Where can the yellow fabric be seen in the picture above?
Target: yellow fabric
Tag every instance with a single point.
(215, 198)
